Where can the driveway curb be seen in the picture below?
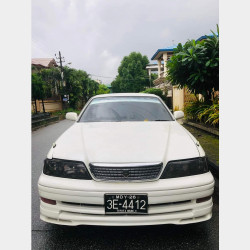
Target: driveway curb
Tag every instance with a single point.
(201, 127)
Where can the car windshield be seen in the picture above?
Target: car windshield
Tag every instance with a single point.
(125, 108)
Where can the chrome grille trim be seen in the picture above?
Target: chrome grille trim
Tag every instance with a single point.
(126, 172)
(138, 164)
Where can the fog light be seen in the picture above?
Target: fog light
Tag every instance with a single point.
(203, 199)
(51, 202)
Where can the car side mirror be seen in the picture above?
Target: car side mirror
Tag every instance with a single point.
(178, 115)
(71, 116)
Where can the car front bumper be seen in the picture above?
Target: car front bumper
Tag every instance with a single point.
(81, 202)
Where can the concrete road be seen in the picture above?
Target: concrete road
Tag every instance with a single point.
(203, 235)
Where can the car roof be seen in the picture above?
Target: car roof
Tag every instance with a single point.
(125, 94)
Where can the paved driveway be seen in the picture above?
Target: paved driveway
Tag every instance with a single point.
(48, 236)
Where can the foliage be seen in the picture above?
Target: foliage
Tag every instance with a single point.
(153, 77)
(79, 86)
(157, 92)
(200, 111)
(64, 111)
(210, 114)
(36, 83)
(40, 89)
(92, 88)
(102, 89)
(132, 74)
(76, 83)
(196, 65)
(52, 77)
(193, 109)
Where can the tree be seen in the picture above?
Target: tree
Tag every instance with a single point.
(93, 88)
(79, 86)
(156, 92)
(52, 77)
(132, 74)
(196, 65)
(102, 89)
(76, 81)
(40, 90)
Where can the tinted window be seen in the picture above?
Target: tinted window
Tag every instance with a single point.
(117, 109)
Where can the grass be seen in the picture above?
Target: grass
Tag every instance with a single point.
(62, 113)
(209, 143)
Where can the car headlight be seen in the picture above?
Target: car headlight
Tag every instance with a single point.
(66, 169)
(181, 168)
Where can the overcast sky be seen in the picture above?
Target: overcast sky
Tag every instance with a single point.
(94, 35)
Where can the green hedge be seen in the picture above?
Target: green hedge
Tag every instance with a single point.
(157, 92)
(64, 111)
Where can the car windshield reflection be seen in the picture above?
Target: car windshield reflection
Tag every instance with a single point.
(124, 109)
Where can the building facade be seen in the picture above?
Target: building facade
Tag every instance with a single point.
(177, 98)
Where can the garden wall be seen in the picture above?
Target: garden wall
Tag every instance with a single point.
(50, 105)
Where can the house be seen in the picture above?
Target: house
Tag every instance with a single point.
(176, 98)
(205, 37)
(41, 63)
(98, 81)
(53, 103)
(153, 68)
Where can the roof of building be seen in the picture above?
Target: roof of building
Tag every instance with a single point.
(205, 37)
(169, 48)
(44, 62)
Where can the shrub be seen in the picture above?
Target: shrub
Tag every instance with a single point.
(102, 89)
(155, 92)
(199, 111)
(210, 114)
(64, 111)
(193, 109)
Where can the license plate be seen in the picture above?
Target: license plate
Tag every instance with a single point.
(126, 203)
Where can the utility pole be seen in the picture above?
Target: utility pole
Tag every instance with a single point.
(61, 60)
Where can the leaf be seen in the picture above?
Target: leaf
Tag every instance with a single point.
(196, 78)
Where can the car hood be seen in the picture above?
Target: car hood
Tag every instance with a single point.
(125, 142)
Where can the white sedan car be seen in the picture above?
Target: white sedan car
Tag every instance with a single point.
(125, 161)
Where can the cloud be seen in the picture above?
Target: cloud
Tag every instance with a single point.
(95, 35)
(110, 62)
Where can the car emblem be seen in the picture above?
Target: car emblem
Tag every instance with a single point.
(125, 173)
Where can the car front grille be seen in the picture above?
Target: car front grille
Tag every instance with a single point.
(126, 172)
